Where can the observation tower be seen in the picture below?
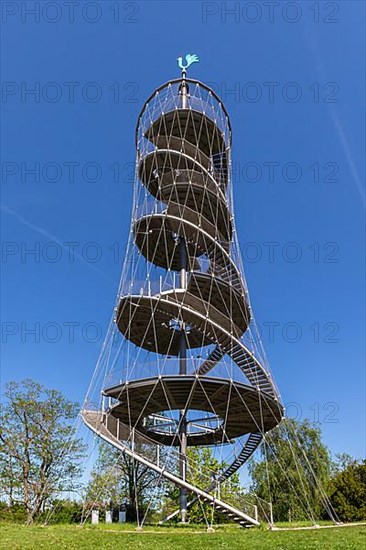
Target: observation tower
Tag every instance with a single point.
(182, 362)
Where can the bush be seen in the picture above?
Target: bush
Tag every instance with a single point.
(15, 513)
(63, 511)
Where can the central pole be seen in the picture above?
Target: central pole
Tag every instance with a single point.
(182, 371)
(183, 354)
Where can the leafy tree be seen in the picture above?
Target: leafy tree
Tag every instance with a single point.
(347, 489)
(39, 455)
(117, 478)
(341, 462)
(203, 469)
(294, 464)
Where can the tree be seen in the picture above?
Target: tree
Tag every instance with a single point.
(347, 489)
(293, 467)
(39, 455)
(117, 478)
(203, 469)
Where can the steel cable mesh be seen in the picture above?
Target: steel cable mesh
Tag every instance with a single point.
(183, 360)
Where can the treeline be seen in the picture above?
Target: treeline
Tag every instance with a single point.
(41, 458)
(58, 511)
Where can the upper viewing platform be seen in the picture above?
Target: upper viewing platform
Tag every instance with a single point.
(186, 117)
(200, 99)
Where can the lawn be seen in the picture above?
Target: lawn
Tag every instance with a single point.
(111, 537)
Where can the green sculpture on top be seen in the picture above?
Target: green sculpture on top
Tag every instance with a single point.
(190, 58)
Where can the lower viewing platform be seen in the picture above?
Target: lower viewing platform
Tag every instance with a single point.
(218, 410)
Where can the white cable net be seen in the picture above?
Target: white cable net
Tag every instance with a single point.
(182, 363)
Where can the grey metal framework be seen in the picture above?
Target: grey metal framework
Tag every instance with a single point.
(182, 362)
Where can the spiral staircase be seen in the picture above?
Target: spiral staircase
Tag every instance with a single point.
(183, 297)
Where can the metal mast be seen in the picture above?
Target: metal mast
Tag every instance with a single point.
(183, 260)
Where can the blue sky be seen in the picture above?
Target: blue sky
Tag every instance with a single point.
(297, 115)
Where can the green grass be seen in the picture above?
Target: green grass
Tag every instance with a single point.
(165, 538)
